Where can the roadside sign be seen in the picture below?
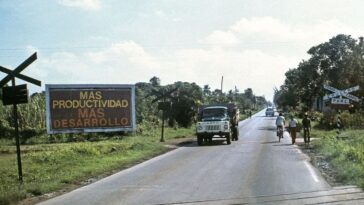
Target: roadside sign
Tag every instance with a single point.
(15, 94)
(351, 97)
(332, 95)
(342, 93)
(16, 72)
(332, 89)
(340, 101)
(90, 108)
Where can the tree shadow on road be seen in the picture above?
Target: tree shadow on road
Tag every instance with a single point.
(282, 145)
(271, 142)
(268, 128)
(215, 142)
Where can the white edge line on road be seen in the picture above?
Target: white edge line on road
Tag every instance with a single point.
(299, 151)
(312, 172)
(309, 167)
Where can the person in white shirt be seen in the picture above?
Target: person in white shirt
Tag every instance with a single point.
(292, 124)
(280, 122)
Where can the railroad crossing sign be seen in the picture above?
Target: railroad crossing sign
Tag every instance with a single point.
(340, 101)
(341, 93)
(16, 73)
(14, 95)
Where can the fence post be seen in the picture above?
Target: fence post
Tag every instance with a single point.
(338, 125)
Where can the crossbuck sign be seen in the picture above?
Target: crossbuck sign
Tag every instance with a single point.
(341, 93)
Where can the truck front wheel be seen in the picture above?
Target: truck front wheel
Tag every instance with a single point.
(199, 140)
(236, 133)
(228, 141)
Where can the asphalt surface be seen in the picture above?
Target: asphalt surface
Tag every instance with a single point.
(255, 169)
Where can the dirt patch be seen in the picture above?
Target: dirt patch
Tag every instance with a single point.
(180, 142)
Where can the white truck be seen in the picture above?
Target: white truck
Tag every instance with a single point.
(218, 120)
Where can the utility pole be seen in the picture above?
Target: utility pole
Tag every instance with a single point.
(163, 119)
(222, 83)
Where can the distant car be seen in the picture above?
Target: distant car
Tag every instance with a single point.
(269, 112)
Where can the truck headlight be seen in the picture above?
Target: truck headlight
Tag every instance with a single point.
(226, 127)
(199, 127)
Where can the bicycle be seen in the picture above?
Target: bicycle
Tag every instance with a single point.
(306, 135)
(280, 133)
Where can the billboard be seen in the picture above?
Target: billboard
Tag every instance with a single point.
(90, 108)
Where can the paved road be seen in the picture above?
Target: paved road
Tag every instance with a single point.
(255, 169)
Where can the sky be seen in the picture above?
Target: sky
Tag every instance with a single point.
(252, 43)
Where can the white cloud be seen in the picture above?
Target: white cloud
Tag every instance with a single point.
(269, 29)
(167, 16)
(177, 19)
(222, 53)
(262, 26)
(127, 51)
(221, 38)
(248, 68)
(160, 13)
(120, 63)
(83, 4)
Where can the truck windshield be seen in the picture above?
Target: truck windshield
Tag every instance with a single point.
(215, 113)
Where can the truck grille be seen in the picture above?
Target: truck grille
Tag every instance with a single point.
(213, 127)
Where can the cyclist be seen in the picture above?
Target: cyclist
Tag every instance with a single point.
(306, 124)
(280, 122)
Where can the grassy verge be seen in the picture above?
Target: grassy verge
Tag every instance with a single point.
(51, 167)
(345, 156)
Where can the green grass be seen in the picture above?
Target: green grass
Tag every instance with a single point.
(345, 155)
(50, 167)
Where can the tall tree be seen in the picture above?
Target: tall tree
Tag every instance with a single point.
(155, 81)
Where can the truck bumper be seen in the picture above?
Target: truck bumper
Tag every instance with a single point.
(211, 134)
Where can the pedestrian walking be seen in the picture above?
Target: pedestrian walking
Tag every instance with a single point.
(306, 124)
(292, 125)
(280, 122)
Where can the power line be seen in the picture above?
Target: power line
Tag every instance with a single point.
(173, 45)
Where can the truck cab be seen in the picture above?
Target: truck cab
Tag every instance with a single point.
(216, 121)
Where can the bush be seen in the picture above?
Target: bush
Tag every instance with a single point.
(328, 120)
(346, 157)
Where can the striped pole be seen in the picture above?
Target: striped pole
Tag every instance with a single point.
(338, 125)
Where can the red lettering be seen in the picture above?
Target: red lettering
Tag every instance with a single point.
(64, 123)
(87, 122)
(124, 121)
(94, 122)
(72, 123)
(103, 122)
(79, 123)
(56, 124)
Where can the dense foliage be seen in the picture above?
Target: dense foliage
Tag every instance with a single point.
(345, 157)
(184, 98)
(338, 63)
